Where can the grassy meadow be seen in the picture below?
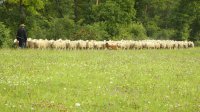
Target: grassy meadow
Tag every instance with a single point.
(100, 81)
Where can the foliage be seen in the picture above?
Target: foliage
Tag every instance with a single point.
(105, 19)
(197, 43)
(60, 28)
(94, 31)
(5, 39)
(152, 29)
(166, 34)
(115, 11)
(135, 31)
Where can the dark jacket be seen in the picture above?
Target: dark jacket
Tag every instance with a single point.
(21, 34)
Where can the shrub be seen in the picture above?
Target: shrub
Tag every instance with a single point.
(165, 34)
(54, 28)
(94, 31)
(152, 29)
(5, 38)
(184, 33)
(197, 43)
(134, 31)
(61, 28)
(37, 32)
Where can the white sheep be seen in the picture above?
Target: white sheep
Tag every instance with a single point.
(16, 43)
(82, 44)
(73, 45)
(90, 44)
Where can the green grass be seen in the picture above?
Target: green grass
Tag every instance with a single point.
(101, 81)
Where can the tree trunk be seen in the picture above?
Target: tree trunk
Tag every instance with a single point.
(97, 2)
(22, 13)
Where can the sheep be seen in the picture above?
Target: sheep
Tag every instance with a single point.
(82, 44)
(149, 45)
(51, 43)
(124, 44)
(35, 43)
(67, 43)
(132, 44)
(169, 45)
(157, 45)
(185, 44)
(190, 44)
(16, 43)
(43, 44)
(73, 45)
(163, 45)
(90, 44)
(180, 44)
(59, 44)
(138, 45)
(112, 45)
(175, 46)
(100, 45)
(30, 43)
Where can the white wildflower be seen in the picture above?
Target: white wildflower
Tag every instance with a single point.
(77, 104)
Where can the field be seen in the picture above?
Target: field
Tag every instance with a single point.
(100, 81)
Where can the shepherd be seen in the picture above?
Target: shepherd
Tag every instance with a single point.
(22, 36)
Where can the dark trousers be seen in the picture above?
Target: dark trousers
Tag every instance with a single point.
(22, 43)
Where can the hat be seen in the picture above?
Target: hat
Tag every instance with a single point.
(22, 25)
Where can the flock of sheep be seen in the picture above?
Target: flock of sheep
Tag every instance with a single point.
(114, 45)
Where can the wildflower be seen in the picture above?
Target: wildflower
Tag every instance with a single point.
(77, 104)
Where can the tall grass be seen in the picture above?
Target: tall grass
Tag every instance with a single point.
(102, 81)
